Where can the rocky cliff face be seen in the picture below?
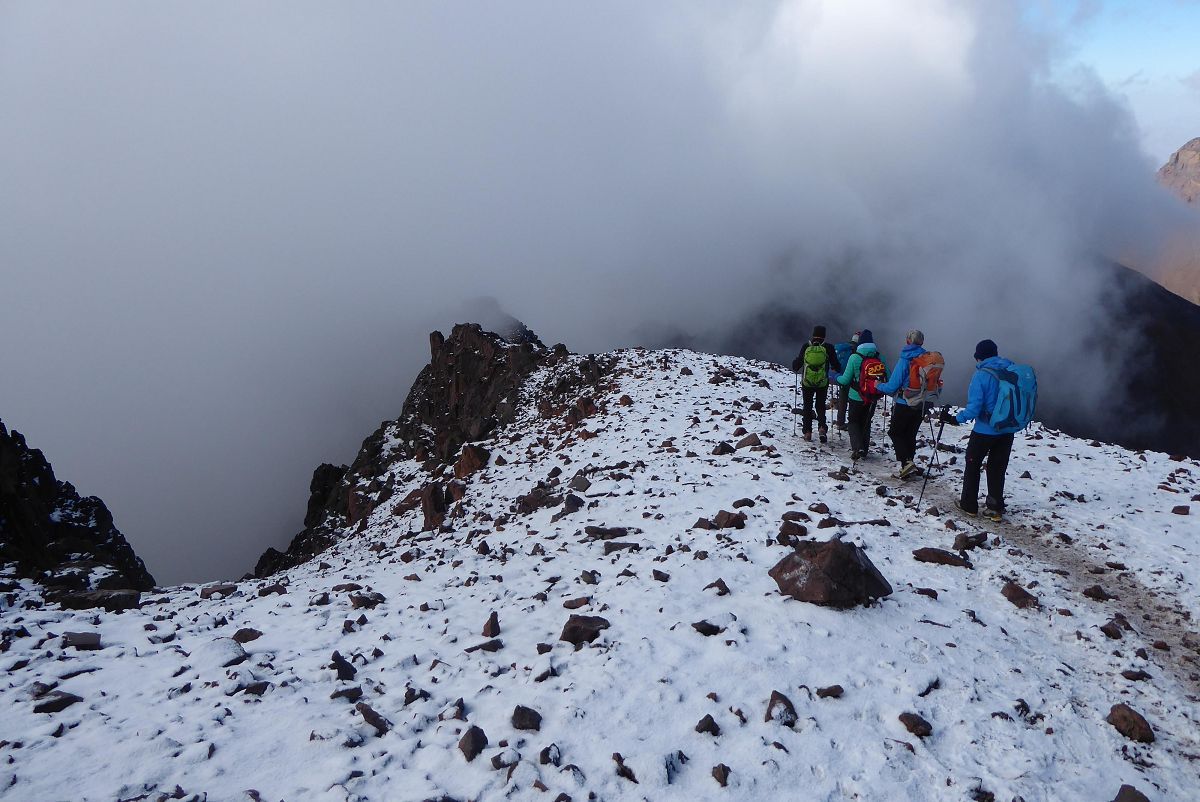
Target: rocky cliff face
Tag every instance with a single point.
(468, 389)
(1181, 173)
(1178, 267)
(66, 542)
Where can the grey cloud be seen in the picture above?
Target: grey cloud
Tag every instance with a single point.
(228, 228)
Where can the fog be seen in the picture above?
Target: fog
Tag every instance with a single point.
(226, 228)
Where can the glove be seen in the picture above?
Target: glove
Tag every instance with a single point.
(946, 417)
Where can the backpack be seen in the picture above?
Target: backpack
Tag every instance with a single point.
(870, 375)
(816, 366)
(1016, 398)
(924, 379)
(843, 351)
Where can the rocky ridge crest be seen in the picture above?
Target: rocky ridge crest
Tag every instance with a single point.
(66, 542)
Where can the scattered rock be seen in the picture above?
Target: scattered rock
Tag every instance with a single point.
(1019, 596)
(966, 542)
(721, 587)
(472, 743)
(473, 458)
(1130, 723)
(722, 449)
(729, 520)
(81, 641)
(377, 721)
(220, 591)
(720, 773)
(832, 692)
(660, 576)
(492, 628)
(916, 725)
(707, 628)
(1097, 593)
(780, 709)
(623, 770)
(345, 671)
(525, 718)
(1182, 509)
(748, 441)
(708, 724)
(581, 629)
(246, 634)
(56, 702)
(1127, 793)
(928, 554)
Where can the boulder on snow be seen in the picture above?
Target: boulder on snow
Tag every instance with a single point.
(581, 629)
(1130, 723)
(833, 574)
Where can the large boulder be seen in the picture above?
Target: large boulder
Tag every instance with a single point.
(832, 574)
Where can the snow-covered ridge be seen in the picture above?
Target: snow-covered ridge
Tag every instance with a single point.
(372, 671)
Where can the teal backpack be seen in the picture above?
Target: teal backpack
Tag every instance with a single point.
(1016, 399)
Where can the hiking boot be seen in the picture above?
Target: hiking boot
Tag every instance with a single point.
(808, 436)
(824, 437)
(908, 469)
(995, 516)
(856, 455)
(973, 513)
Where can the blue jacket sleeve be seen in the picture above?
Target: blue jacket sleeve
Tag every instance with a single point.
(892, 385)
(976, 394)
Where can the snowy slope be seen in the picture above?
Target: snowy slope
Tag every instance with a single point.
(1016, 698)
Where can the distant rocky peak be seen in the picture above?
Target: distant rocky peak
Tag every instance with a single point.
(68, 543)
(1181, 173)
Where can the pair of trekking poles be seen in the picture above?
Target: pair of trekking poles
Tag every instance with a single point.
(937, 437)
(796, 407)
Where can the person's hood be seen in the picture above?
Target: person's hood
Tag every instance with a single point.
(995, 363)
(868, 349)
(911, 350)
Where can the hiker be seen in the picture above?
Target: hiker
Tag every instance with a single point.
(843, 351)
(865, 370)
(816, 363)
(915, 383)
(997, 420)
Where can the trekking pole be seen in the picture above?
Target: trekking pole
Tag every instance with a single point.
(937, 439)
(934, 460)
(795, 392)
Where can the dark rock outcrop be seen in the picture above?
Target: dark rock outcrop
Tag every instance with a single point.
(833, 574)
(67, 542)
(468, 390)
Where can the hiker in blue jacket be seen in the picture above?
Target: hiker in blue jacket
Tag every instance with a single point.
(986, 442)
(906, 417)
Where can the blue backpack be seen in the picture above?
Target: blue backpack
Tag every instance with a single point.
(843, 351)
(1016, 398)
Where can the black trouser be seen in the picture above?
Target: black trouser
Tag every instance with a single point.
(905, 425)
(819, 395)
(995, 448)
(842, 396)
(860, 415)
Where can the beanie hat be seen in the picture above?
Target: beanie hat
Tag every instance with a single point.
(916, 337)
(866, 337)
(986, 349)
(857, 334)
(818, 332)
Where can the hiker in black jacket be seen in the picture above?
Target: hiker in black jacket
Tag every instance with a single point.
(815, 364)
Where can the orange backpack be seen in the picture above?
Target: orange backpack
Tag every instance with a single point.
(924, 378)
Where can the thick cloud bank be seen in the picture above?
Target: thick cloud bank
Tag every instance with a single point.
(228, 227)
